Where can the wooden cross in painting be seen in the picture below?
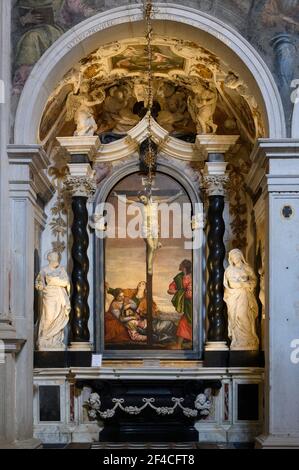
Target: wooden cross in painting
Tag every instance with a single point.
(149, 206)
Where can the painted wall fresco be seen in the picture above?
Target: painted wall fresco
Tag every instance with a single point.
(37, 24)
(135, 59)
(271, 26)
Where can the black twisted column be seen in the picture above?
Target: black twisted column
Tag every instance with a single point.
(79, 298)
(81, 188)
(216, 304)
(217, 312)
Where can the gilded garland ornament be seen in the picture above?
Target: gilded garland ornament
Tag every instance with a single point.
(58, 223)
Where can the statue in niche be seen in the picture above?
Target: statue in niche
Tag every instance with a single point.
(80, 104)
(239, 284)
(202, 107)
(53, 282)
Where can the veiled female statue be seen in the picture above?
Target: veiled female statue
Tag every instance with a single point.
(239, 283)
(54, 284)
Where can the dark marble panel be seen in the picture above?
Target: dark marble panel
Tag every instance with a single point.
(216, 358)
(248, 402)
(50, 359)
(49, 403)
(246, 359)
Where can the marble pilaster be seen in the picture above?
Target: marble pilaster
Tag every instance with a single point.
(5, 78)
(275, 169)
(29, 190)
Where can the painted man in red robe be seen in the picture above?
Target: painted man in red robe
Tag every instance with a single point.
(181, 289)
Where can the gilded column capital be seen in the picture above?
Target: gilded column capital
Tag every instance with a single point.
(215, 185)
(84, 186)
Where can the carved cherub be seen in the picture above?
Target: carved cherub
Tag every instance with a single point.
(117, 109)
(79, 105)
(202, 108)
(234, 82)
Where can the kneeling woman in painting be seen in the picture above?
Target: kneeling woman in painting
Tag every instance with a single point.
(181, 289)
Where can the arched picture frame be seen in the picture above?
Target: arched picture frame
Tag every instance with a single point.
(166, 322)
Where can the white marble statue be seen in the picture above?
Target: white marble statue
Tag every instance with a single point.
(239, 283)
(80, 107)
(53, 282)
(202, 108)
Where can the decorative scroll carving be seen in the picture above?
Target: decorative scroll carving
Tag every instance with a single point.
(202, 406)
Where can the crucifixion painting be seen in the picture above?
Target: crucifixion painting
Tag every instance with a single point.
(150, 221)
(145, 302)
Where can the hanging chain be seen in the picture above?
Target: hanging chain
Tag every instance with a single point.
(150, 153)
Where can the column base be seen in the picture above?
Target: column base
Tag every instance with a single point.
(277, 442)
(80, 346)
(216, 346)
(216, 354)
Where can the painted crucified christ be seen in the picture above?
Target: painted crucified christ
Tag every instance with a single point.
(150, 221)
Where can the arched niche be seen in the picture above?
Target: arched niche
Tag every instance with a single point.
(125, 22)
(188, 181)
